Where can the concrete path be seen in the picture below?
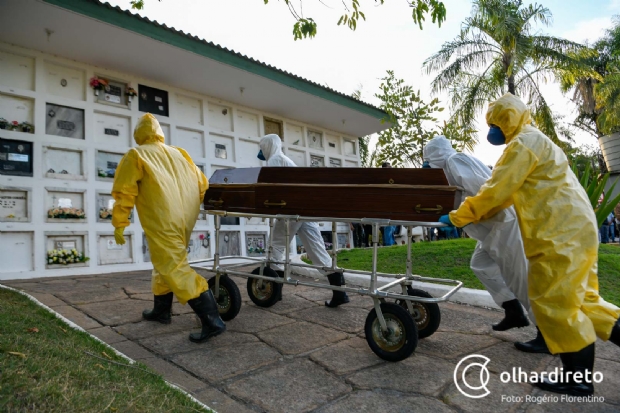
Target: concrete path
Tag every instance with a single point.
(299, 356)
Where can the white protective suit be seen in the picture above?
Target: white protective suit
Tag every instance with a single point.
(499, 259)
(308, 232)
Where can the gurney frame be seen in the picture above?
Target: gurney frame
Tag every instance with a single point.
(392, 329)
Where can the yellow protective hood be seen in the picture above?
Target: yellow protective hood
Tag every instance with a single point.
(148, 130)
(510, 114)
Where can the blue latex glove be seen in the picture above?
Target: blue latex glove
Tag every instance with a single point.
(445, 219)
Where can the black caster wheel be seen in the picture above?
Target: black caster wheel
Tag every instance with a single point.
(264, 293)
(401, 339)
(426, 315)
(229, 299)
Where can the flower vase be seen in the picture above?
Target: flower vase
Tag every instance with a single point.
(96, 92)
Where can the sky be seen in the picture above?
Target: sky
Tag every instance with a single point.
(388, 40)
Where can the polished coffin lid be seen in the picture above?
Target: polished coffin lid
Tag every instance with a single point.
(387, 193)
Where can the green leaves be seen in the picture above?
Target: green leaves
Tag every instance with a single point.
(594, 187)
(413, 123)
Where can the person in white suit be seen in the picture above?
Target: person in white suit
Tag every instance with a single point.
(499, 260)
(308, 232)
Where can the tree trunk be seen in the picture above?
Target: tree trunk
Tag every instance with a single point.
(511, 84)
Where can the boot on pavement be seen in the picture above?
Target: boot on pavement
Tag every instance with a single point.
(162, 309)
(206, 309)
(338, 297)
(514, 316)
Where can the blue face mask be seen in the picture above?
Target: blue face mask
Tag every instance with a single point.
(426, 165)
(496, 136)
(261, 156)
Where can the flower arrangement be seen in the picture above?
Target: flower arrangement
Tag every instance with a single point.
(106, 173)
(98, 84)
(105, 213)
(15, 125)
(131, 92)
(66, 213)
(27, 127)
(65, 257)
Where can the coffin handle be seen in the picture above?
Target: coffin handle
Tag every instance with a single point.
(280, 204)
(217, 203)
(419, 209)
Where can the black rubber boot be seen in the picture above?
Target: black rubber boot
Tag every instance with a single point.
(338, 297)
(537, 345)
(162, 309)
(515, 316)
(615, 334)
(206, 309)
(579, 361)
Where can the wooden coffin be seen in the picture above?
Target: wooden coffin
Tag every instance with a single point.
(387, 193)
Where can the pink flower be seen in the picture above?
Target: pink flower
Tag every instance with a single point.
(201, 236)
(15, 123)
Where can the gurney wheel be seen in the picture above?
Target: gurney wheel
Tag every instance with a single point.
(402, 337)
(427, 316)
(229, 299)
(264, 293)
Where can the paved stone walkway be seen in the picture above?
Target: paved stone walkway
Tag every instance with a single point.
(299, 356)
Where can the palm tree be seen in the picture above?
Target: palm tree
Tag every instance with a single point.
(498, 51)
(598, 95)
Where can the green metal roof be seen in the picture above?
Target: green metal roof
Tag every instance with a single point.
(141, 25)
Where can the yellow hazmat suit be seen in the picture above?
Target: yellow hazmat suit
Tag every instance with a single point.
(167, 188)
(558, 226)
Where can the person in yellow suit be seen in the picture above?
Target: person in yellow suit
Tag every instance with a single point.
(167, 188)
(560, 238)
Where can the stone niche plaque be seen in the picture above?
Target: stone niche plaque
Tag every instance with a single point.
(298, 157)
(67, 241)
(220, 117)
(15, 204)
(333, 144)
(246, 153)
(335, 163)
(16, 108)
(294, 135)
(349, 147)
(246, 124)
(274, 126)
(16, 157)
(105, 204)
(106, 164)
(64, 121)
(343, 240)
(256, 244)
(221, 147)
(189, 111)
(109, 252)
(115, 94)
(16, 254)
(65, 205)
(112, 130)
(317, 161)
(65, 81)
(153, 100)
(350, 164)
(17, 71)
(230, 243)
(63, 163)
(192, 141)
(199, 246)
(315, 139)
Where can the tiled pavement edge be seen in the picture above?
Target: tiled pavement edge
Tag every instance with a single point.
(299, 356)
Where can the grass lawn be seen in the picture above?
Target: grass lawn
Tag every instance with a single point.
(450, 259)
(44, 368)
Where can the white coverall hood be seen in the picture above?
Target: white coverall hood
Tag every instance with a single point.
(271, 145)
(437, 151)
